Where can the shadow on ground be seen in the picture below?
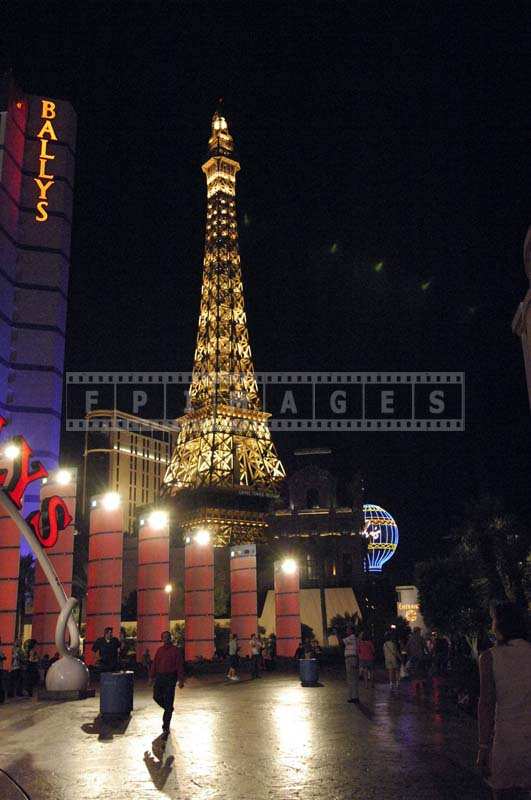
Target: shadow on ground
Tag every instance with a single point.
(107, 728)
(158, 767)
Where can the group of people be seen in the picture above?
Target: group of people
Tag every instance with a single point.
(411, 657)
(263, 655)
(504, 709)
(309, 648)
(112, 651)
(28, 669)
(415, 657)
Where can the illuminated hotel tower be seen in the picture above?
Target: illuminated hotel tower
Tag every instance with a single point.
(224, 467)
(37, 155)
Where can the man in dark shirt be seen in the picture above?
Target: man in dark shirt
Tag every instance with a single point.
(108, 647)
(167, 669)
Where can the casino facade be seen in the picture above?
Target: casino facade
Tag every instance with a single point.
(37, 159)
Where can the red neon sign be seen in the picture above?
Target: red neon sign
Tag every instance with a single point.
(53, 515)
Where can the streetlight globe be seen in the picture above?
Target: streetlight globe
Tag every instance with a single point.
(158, 520)
(168, 588)
(63, 477)
(289, 566)
(111, 501)
(12, 451)
(202, 536)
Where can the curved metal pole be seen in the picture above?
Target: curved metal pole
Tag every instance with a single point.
(47, 568)
(60, 628)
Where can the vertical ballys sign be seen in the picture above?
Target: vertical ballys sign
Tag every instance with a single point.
(46, 178)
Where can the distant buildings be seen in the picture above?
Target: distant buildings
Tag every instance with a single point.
(129, 455)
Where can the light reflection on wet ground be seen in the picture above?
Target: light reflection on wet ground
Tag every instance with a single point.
(265, 740)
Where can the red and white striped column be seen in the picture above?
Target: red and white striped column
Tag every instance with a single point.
(153, 587)
(243, 600)
(9, 570)
(198, 596)
(287, 607)
(62, 482)
(104, 578)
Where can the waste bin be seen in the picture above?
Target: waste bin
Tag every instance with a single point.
(116, 693)
(309, 671)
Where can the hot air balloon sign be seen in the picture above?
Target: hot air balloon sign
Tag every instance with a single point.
(381, 531)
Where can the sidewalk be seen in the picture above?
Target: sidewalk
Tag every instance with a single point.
(255, 740)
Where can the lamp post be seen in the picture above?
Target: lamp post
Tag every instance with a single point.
(169, 589)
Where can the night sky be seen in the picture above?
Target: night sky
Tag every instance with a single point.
(366, 134)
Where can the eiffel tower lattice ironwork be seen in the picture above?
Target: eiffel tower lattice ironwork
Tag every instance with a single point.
(224, 459)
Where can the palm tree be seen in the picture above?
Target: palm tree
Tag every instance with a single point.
(501, 546)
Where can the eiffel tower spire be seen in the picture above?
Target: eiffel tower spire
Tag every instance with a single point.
(224, 458)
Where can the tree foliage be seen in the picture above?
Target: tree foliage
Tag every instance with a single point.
(499, 546)
(449, 599)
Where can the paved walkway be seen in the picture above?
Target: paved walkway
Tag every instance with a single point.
(269, 739)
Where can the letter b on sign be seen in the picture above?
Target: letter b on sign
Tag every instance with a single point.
(48, 109)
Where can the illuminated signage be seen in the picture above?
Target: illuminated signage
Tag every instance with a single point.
(45, 180)
(409, 611)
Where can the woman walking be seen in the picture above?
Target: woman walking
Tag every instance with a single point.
(366, 657)
(504, 754)
(392, 660)
(233, 658)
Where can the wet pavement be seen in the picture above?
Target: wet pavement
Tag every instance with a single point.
(269, 739)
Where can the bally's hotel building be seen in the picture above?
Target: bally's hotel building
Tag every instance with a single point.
(37, 158)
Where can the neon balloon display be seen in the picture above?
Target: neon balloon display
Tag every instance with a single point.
(382, 532)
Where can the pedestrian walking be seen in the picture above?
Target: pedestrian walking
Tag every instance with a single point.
(504, 751)
(166, 671)
(440, 655)
(417, 654)
(45, 666)
(350, 643)
(300, 652)
(233, 658)
(108, 649)
(256, 657)
(31, 676)
(146, 661)
(366, 657)
(392, 660)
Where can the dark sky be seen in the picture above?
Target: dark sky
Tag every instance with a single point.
(366, 133)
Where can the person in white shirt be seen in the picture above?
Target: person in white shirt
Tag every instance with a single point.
(350, 643)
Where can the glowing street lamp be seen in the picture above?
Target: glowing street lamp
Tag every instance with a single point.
(202, 537)
(111, 501)
(158, 520)
(289, 566)
(63, 477)
(12, 451)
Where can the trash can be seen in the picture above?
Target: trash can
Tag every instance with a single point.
(116, 693)
(309, 671)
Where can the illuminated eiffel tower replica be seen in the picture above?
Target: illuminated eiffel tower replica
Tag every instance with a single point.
(224, 468)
